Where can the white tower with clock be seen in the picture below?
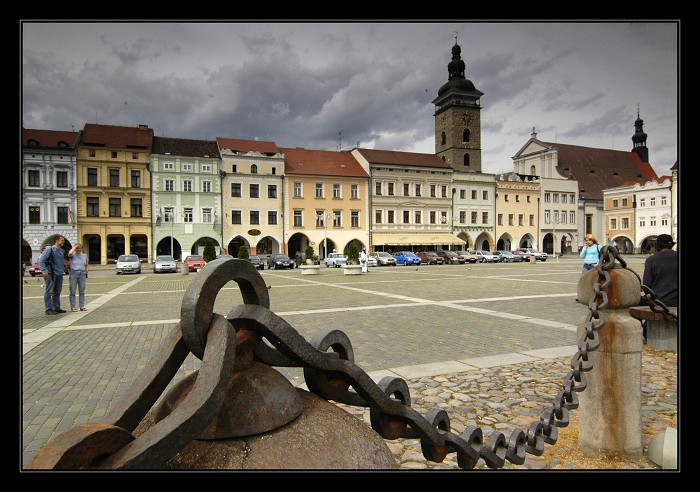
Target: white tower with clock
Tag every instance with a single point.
(458, 118)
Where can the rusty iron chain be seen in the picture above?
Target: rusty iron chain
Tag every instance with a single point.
(327, 374)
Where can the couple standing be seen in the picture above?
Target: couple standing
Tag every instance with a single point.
(52, 263)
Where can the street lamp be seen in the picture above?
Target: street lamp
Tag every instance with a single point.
(325, 233)
(555, 219)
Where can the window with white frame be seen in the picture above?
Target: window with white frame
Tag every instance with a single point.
(254, 189)
(336, 218)
(169, 185)
(625, 202)
(474, 217)
(521, 218)
(547, 217)
(272, 217)
(336, 190)
(406, 188)
(187, 185)
(319, 190)
(206, 168)
(169, 214)
(532, 219)
(555, 197)
(484, 217)
(462, 194)
(236, 190)
(642, 203)
(253, 169)
(390, 189)
(236, 217)
(206, 186)
(499, 219)
(354, 218)
(418, 187)
(572, 198)
(168, 166)
(33, 178)
(378, 188)
(406, 216)
(272, 191)
(485, 195)
(187, 215)
(319, 218)
(255, 217)
(511, 217)
(462, 217)
(652, 202)
(563, 216)
(187, 167)
(443, 217)
(547, 197)
(473, 194)
(377, 216)
(206, 215)
(297, 189)
(389, 217)
(354, 192)
(625, 222)
(652, 221)
(417, 215)
(563, 197)
(298, 216)
(433, 217)
(663, 201)
(444, 191)
(572, 217)
(433, 190)
(613, 223)
(642, 222)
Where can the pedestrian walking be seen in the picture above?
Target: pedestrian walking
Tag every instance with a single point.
(77, 276)
(590, 253)
(52, 265)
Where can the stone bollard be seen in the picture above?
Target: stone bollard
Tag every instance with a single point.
(610, 408)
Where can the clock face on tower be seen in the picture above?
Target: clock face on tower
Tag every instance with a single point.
(467, 118)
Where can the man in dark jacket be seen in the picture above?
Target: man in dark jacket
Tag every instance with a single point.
(53, 275)
(661, 273)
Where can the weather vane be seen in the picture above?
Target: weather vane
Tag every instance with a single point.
(456, 33)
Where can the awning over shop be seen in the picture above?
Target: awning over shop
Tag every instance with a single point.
(417, 238)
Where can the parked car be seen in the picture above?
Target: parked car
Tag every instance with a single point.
(450, 257)
(218, 257)
(539, 255)
(507, 256)
(194, 263)
(384, 258)
(335, 260)
(486, 256)
(372, 261)
(128, 264)
(407, 258)
(523, 255)
(430, 258)
(164, 263)
(280, 261)
(468, 256)
(257, 262)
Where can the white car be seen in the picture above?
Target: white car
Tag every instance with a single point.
(486, 256)
(372, 261)
(128, 264)
(335, 260)
(164, 263)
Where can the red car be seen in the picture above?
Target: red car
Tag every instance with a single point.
(194, 263)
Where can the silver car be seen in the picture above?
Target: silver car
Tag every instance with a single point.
(164, 263)
(384, 258)
(486, 256)
(128, 264)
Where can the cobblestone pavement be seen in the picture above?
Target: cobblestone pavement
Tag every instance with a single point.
(431, 326)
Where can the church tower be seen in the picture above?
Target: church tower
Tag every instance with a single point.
(458, 118)
(639, 139)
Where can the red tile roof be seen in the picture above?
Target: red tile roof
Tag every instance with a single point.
(238, 145)
(117, 137)
(397, 158)
(321, 162)
(185, 147)
(49, 139)
(599, 169)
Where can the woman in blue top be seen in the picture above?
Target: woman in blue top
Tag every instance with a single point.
(77, 276)
(590, 252)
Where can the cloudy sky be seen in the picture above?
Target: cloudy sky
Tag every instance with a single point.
(326, 85)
